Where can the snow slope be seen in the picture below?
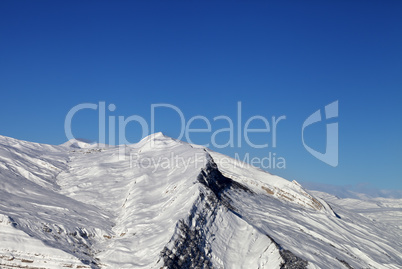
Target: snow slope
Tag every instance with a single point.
(163, 203)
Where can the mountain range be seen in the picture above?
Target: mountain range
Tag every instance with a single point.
(164, 203)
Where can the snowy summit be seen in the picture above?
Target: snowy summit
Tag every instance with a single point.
(163, 203)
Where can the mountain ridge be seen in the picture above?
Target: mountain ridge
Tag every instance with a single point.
(104, 211)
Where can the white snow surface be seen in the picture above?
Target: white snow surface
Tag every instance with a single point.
(163, 203)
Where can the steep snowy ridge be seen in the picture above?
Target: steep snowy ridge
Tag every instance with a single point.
(30, 200)
(263, 182)
(215, 234)
(165, 203)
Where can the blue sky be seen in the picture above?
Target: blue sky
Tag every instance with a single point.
(204, 57)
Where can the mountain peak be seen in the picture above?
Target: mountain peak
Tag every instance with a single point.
(77, 143)
(172, 205)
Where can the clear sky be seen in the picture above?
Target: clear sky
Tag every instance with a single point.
(285, 58)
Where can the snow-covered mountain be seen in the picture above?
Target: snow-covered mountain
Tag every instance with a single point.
(163, 203)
